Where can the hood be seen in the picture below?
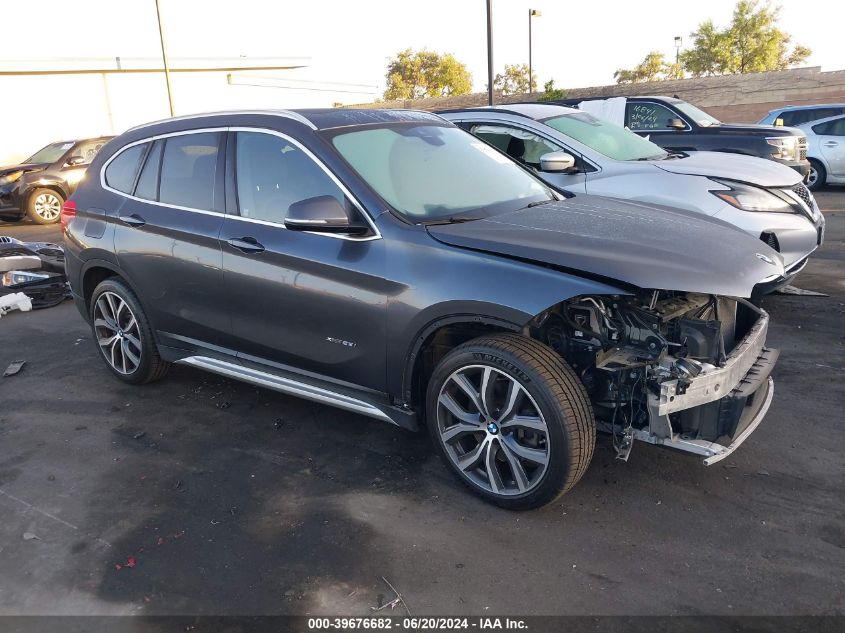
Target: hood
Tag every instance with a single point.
(753, 129)
(25, 167)
(750, 169)
(648, 247)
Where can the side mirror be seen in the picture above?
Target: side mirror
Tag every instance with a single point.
(557, 162)
(75, 161)
(677, 124)
(323, 214)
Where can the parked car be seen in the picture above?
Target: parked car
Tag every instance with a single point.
(826, 139)
(38, 187)
(795, 116)
(765, 199)
(677, 125)
(388, 263)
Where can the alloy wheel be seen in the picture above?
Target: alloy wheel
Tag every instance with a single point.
(493, 430)
(117, 333)
(812, 177)
(48, 206)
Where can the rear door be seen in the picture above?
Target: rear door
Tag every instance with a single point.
(308, 301)
(167, 231)
(830, 137)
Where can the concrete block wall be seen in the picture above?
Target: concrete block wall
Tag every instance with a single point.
(730, 98)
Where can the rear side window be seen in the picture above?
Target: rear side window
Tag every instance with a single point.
(121, 172)
(189, 170)
(273, 173)
(147, 187)
(648, 116)
(831, 128)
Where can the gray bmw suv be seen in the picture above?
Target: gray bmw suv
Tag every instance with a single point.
(389, 263)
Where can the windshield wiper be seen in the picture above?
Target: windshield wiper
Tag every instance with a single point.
(457, 219)
(537, 204)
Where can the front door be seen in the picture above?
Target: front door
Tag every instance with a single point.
(307, 301)
(831, 143)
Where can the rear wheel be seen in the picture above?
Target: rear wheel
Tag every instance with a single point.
(123, 334)
(817, 176)
(44, 206)
(511, 420)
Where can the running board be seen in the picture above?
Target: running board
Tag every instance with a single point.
(288, 386)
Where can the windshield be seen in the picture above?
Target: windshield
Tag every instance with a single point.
(696, 114)
(611, 140)
(49, 154)
(433, 172)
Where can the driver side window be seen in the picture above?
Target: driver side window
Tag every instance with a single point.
(273, 173)
(521, 145)
(645, 117)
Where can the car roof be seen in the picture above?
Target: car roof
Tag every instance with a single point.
(536, 111)
(315, 118)
(807, 107)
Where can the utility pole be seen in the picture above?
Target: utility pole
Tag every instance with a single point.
(532, 13)
(489, 52)
(164, 59)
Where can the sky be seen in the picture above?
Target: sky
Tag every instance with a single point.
(578, 43)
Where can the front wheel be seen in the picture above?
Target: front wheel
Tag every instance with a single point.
(44, 206)
(511, 419)
(817, 177)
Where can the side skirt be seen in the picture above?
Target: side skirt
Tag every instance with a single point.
(303, 387)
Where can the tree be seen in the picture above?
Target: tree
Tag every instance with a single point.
(417, 74)
(752, 43)
(514, 81)
(653, 68)
(550, 93)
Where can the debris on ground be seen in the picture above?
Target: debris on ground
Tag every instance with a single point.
(13, 368)
(223, 405)
(29, 536)
(15, 301)
(138, 436)
(393, 603)
(34, 268)
(800, 292)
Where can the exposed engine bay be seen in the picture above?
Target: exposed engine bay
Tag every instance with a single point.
(684, 370)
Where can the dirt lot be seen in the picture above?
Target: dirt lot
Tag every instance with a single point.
(202, 495)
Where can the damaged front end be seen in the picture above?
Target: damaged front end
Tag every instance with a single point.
(684, 370)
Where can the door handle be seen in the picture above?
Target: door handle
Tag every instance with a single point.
(831, 143)
(132, 220)
(246, 244)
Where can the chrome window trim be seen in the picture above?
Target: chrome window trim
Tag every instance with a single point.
(150, 139)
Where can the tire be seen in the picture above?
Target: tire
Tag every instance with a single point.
(123, 334)
(44, 206)
(511, 438)
(818, 175)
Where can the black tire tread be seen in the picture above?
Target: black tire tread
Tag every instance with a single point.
(566, 389)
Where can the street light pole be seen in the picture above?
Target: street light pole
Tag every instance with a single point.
(489, 52)
(678, 43)
(532, 13)
(164, 59)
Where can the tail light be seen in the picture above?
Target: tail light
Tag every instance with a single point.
(68, 213)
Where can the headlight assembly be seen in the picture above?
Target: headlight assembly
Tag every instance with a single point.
(786, 147)
(750, 198)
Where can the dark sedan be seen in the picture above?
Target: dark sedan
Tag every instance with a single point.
(38, 187)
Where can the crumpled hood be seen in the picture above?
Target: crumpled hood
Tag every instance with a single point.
(646, 246)
(750, 169)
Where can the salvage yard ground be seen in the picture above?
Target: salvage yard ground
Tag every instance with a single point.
(200, 495)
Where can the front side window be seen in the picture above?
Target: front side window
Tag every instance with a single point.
(189, 170)
(831, 128)
(696, 114)
(648, 116)
(121, 172)
(606, 138)
(432, 172)
(521, 145)
(87, 150)
(273, 173)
